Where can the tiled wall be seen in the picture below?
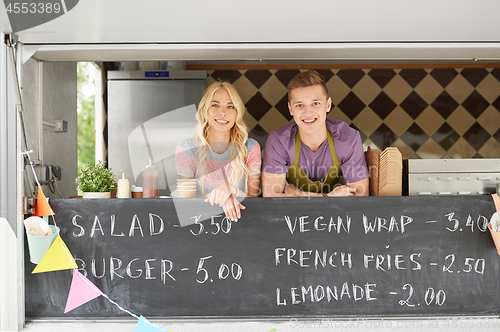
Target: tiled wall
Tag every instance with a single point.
(426, 113)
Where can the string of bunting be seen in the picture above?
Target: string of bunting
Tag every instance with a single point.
(58, 257)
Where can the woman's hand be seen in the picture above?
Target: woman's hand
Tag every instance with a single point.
(232, 208)
(225, 196)
(342, 191)
(220, 194)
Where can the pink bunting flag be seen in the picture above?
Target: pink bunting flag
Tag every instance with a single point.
(81, 291)
(145, 325)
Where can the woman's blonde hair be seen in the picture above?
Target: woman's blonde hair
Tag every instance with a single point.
(238, 136)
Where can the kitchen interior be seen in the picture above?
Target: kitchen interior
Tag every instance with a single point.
(433, 111)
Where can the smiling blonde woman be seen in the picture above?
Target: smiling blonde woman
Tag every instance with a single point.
(225, 162)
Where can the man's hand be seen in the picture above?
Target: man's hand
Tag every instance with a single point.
(342, 191)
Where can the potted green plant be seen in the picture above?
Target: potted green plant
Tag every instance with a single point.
(96, 181)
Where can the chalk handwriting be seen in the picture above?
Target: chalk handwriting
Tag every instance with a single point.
(393, 225)
(329, 293)
(304, 258)
(156, 226)
(319, 224)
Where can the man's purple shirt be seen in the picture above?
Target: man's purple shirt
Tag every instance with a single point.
(279, 153)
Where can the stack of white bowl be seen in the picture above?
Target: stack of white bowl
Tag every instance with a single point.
(186, 188)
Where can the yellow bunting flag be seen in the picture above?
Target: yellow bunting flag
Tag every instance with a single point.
(56, 258)
(42, 206)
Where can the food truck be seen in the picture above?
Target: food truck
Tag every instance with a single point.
(423, 77)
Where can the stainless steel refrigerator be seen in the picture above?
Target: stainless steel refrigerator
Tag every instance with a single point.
(149, 113)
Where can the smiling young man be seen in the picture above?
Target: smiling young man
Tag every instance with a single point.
(314, 155)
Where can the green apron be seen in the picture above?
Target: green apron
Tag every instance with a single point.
(297, 177)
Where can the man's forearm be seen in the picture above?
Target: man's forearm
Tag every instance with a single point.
(362, 187)
(293, 191)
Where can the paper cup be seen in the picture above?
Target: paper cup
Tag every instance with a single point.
(186, 193)
(38, 245)
(186, 189)
(136, 194)
(186, 186)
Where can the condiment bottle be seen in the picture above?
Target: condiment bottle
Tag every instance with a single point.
(150, 181)
(123, 188)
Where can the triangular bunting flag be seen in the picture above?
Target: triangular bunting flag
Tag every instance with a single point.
(42, 206)
(145, 325)
(56, 258)
(82, 290)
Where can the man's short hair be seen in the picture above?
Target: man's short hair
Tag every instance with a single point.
(305, 79)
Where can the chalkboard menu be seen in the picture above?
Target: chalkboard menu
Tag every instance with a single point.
(286, 257)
